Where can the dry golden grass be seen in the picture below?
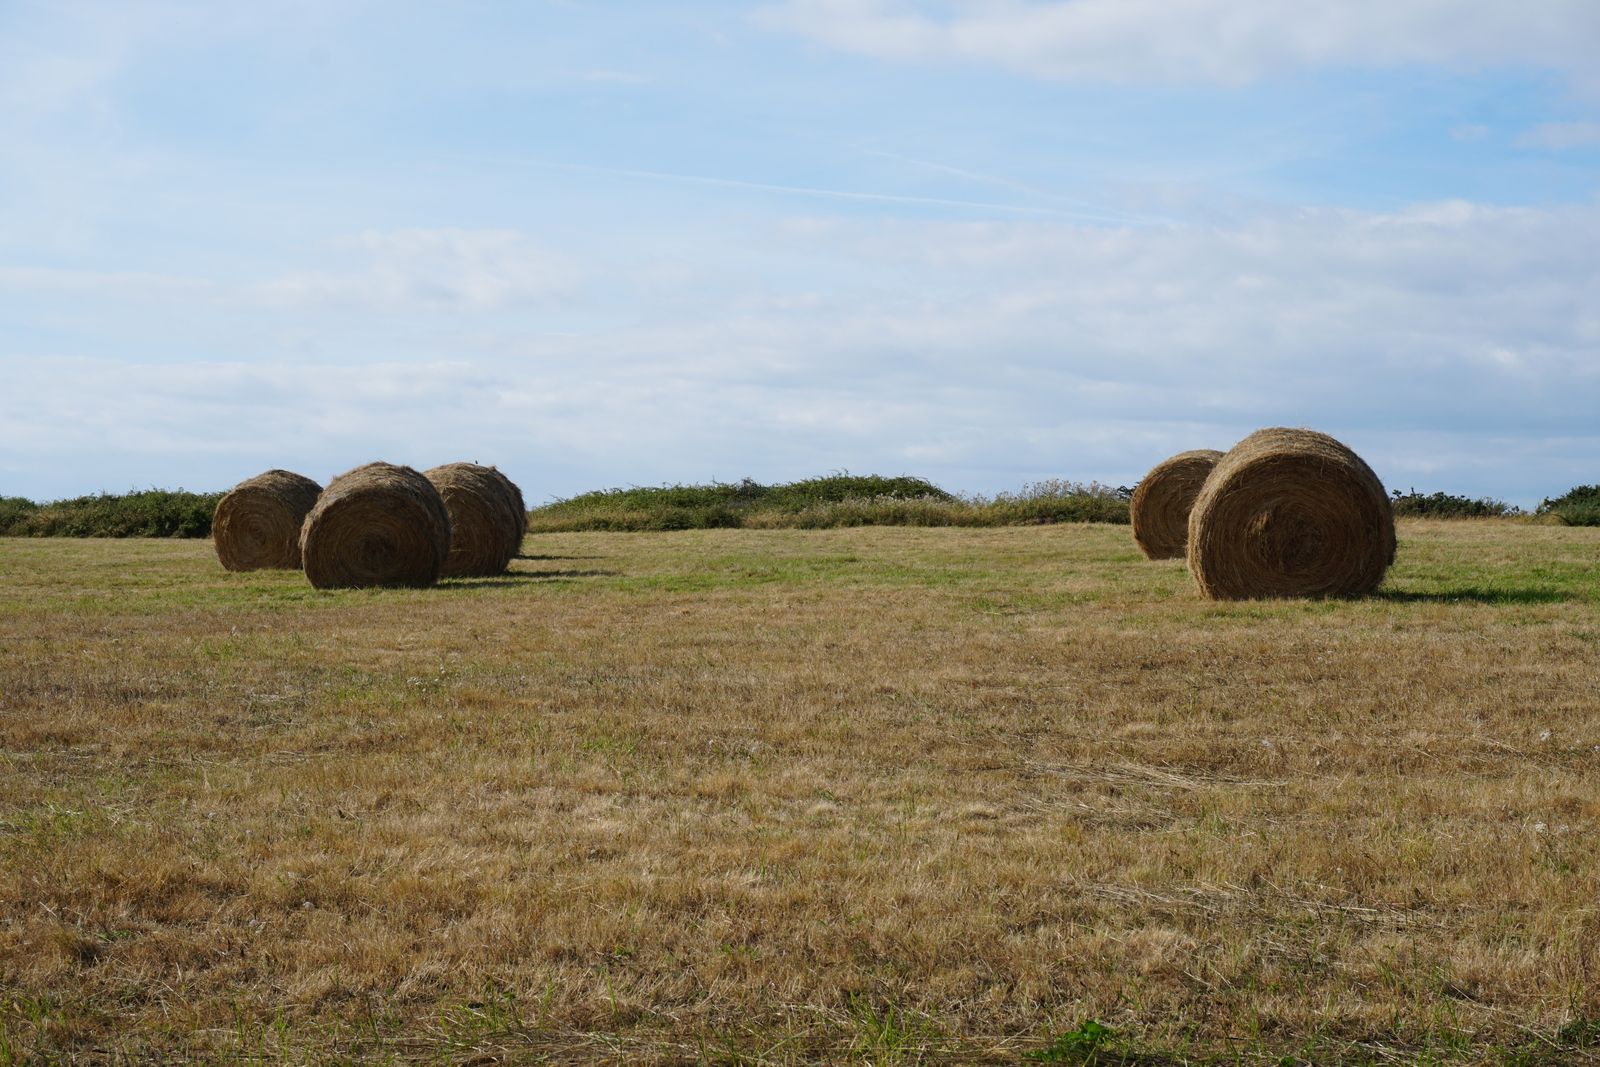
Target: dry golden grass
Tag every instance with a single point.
(877, 795)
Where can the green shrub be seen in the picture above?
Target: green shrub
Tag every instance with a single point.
(827, 503)
(1062, 489)
(1578, 516)
(1578, 506)
(1413, 505)
(13, 509)
(147, 513)
(1042, 510)
(838, 488)
(743, 495)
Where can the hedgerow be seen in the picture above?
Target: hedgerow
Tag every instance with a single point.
(138, 513)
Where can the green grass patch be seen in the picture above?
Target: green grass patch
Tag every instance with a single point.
(898, 747)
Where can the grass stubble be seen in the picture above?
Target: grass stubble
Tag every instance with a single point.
(773, 796)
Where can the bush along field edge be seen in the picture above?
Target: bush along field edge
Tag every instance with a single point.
(817, 503)
(1579, 506)
(827, 503)
(137, 513)
(831, 502)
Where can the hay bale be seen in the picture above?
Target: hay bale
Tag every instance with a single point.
(376, 525)
(1160, 506)
(1290, 513)
(487, 518)
(257, 525)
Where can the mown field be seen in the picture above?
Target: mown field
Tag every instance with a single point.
(876, 795)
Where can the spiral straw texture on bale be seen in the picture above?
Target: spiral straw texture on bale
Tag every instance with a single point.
(1290, 513)
(1160, 506)
(487, 518)
(376, 525)
(257, 525)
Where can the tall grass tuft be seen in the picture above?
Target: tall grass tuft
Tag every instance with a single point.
(137, 513)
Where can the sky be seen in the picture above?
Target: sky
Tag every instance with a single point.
(985, 242)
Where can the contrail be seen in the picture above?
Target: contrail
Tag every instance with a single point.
(1108, 213)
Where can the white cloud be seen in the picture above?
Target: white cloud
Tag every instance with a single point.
(1561, 135)
(399, 272)
(57, 58)
(1227, 42)
(434, 270)
(1438, 281)
(135, 287)
(1454, 344)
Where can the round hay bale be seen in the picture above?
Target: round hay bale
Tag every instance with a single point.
(1290, 513)
(487, 518)
(1160, 506)
(376, 525)
(257, 525)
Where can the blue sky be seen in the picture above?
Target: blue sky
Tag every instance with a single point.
(983, 242)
